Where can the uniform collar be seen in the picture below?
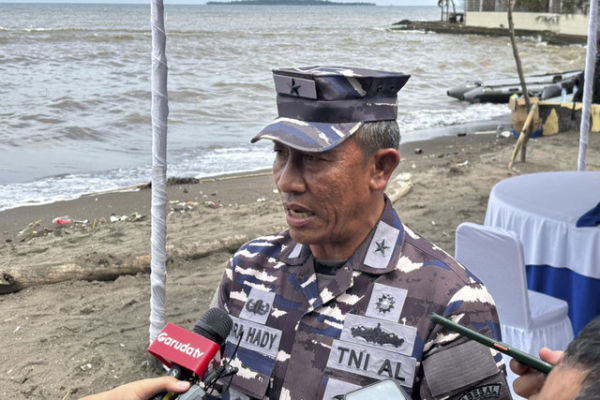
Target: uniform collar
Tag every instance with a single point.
(377, 254)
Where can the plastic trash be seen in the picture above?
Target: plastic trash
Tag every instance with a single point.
(64, 220)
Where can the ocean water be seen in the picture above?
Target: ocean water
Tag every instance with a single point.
(75, 84)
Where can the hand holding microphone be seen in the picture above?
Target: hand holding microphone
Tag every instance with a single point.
(189, 354)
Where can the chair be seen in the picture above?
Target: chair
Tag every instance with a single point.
(529, 320)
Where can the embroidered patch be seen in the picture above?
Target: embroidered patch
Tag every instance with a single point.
(482, 392)
(372, 362)
(335, 387)
(459, 367)
(296, 252)
(386, 302)
(382, 246)
(258, 305)
(384, 334)
(256, 337)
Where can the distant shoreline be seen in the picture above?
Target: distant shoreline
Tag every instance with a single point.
(286, 3)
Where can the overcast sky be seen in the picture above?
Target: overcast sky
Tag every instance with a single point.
(378, 2)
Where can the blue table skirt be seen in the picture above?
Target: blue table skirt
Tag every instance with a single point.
(582, 293)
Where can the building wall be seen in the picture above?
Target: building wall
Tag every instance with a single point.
(566, 24)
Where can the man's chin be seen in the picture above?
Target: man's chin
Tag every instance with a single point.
(302, 237)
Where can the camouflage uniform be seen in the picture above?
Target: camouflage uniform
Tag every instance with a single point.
(371, 322)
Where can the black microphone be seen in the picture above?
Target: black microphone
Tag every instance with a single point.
(188, 354)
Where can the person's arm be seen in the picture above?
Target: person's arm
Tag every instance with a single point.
(143, 389)
(456, 367)
(530, 381)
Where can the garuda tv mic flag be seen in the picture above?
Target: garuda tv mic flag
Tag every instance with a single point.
(188, 353)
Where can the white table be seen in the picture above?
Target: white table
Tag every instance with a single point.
(562, 260)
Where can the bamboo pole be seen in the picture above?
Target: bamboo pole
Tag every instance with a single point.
(511, 28)
(523, 135)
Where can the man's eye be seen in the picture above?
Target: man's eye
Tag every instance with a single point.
(279, 151)
(312, 157)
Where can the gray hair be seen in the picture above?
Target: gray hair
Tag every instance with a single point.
(584, 352)
(376, 135)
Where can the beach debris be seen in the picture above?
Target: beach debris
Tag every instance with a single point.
(461, 134)
(94, 223)
(117, 218)
(30, 226)
(213, 204)
(182, 206)
(418, 150)
(63, 220)
(399, 186)
(433, 223)
(462, 163)
(261, 199)
(182, 181)
(501, 131)
(136, 216)
(81, 221)
(85, 367)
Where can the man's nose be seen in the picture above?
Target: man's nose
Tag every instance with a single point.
(289, 178)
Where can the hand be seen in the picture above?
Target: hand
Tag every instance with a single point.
(143, 389)
(530, 381)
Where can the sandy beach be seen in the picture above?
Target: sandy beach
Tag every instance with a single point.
(74, 337)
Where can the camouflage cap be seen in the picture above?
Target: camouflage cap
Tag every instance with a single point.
(320, 107)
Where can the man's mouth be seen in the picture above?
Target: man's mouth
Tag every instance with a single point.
(298, 212)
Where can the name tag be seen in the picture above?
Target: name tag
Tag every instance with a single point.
(255, 337)
(379, 333)
(372, 362)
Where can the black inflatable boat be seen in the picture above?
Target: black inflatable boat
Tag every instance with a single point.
(499, 90)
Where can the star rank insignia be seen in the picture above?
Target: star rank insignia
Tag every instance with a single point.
(381, 247)
(294, 87)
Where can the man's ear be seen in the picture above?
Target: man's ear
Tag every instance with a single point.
(383, 163)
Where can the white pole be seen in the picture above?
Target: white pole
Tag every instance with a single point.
(590, 65)
(160, 111)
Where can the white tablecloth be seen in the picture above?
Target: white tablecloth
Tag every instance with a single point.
(543, 209)
(562, 260)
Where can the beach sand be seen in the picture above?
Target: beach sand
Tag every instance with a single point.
(76, 337)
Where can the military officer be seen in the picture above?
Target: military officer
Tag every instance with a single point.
(341, 299)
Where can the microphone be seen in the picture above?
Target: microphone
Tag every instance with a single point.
(188, 354)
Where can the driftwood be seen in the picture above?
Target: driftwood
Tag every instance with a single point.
(13, 279)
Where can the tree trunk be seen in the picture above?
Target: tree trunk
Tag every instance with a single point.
(511, 28)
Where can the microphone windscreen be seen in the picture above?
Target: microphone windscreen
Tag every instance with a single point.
(214, 325)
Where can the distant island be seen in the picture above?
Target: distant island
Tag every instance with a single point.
(287, 3)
